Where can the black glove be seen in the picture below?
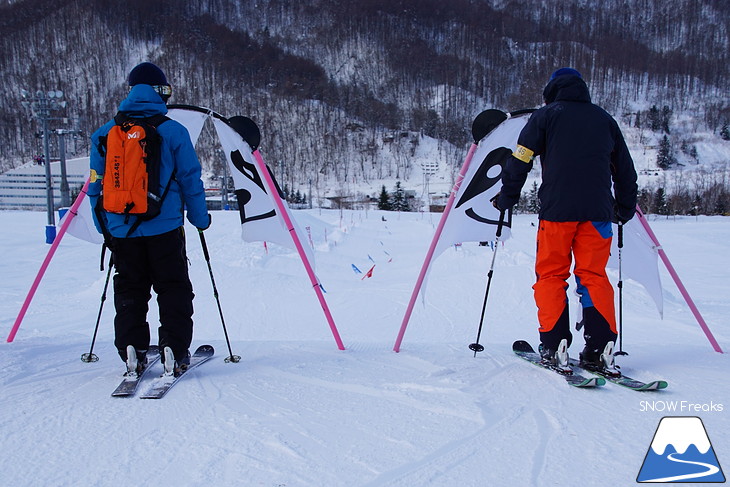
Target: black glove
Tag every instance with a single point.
(210, 220)
(622, 214)
(494, 200)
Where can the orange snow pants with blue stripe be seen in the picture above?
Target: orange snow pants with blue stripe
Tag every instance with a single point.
(590, 244)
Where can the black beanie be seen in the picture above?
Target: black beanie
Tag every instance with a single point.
(147, 74)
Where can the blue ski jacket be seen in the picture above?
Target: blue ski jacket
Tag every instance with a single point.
(177, 155)
(582, 153)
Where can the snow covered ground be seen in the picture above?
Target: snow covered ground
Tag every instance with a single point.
(296, 411)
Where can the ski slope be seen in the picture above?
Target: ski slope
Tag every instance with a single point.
(296, 411)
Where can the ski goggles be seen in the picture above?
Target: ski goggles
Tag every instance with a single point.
(165, 91)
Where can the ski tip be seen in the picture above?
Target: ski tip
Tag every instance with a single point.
(656, 385)
(522, 346)
(205, 350)
(580, 381)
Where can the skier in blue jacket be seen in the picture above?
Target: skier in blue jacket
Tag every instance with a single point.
(151, 254)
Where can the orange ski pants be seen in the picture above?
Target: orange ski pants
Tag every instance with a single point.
(590, 244)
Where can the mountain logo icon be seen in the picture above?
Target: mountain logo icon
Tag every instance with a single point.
(680, 452)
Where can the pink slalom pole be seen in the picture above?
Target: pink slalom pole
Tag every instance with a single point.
(678, 281)
(47, 261)
(264, 171)
(432, 248)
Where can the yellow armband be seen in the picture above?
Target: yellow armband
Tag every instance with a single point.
(524, 154)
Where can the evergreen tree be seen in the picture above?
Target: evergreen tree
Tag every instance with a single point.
(399, 198)
(660, 202)
(654, 119)
(665, 159)
(384, 200)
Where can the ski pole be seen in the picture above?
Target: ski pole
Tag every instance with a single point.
(231, 357)
(620, 293)
(477, 347)
(91, 356)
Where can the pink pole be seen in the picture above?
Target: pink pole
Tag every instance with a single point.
(263, 170)
(432, 248)
(678, 281)
(47, 261)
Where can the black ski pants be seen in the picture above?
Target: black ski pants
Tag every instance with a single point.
(156, 262)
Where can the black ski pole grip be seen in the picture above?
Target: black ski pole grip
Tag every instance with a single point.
(203, 244)
(620, 235)
(500, 223)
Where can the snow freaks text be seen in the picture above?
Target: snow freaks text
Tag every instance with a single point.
(680, 407)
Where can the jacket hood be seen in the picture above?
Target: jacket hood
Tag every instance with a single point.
(143, 101)
(566, 88)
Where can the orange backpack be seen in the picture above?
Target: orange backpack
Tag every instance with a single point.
(131, 181)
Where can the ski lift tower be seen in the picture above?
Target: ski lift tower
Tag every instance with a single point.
(43, 103)
(429, 168)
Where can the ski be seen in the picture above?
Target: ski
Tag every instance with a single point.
(129, 384)
(163, 384)
(625, 381)
(525, 351)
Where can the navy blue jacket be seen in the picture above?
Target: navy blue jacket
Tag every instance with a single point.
(582, 152)
(177, 154)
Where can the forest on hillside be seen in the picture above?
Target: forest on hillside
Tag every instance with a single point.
(345, 91)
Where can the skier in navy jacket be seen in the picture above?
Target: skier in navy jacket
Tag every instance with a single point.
(153, 254)
(583, 158)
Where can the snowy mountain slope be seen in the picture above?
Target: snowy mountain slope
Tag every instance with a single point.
(298, 412)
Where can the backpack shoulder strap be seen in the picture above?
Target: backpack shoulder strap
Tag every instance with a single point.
(120, 118)
(155, 120)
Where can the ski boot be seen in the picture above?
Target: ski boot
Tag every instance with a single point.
(136, 361)
(598, 361)
(558, 359)
(173, 367)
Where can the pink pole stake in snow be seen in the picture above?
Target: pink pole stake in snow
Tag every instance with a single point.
(482, 125)
(47, 261)
(297, 242)
(432, 248)
(678, 281)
